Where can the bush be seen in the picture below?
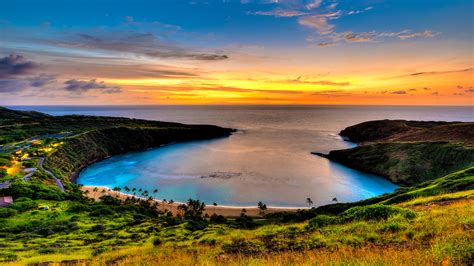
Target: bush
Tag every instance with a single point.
(218, 219)
(24, 205)
(376, 212)
(193, 225)
(101, 211)
(245, 222)
(241, 246)
(78, 207)
(3, 172)
(321, 221)
(7, 212)
(97, 227)
(8, 257)
(157, 242)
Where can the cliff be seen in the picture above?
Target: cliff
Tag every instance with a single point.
(408, 152)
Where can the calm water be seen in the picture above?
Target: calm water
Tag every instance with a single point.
(268, 160)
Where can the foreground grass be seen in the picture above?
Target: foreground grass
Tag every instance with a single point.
(441, 232)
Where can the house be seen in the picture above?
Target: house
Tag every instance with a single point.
(5, 201)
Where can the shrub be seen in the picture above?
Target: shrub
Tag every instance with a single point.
(97, 227)
(78, 207)
(218, 219)
(321, 221)
(193, 225)
(376, 212)
(241, 246)
(24, 205)
(8, 257)
(157, 242)
(101, 211)
(46, 251)
(245, 222)
(7, 212)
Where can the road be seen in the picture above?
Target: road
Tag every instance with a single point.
(58, 182)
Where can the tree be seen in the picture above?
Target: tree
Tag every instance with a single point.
(334, 199)
(117, 189)
(95, 189)
(215, 205)
(262, 207)
(127, 189)
(309, 202)
(192, 210)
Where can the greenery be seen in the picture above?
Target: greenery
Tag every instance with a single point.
(429, 221)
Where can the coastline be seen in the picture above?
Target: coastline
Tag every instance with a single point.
(227, 211)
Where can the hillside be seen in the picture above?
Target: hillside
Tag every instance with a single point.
(53, 222)
(408, 152)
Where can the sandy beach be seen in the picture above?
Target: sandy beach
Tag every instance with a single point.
(227, 211)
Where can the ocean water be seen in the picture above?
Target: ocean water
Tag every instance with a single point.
(269, 159)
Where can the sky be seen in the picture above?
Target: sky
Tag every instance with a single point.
(365, 52)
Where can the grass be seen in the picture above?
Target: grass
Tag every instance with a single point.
(430, 222)
(440, 231)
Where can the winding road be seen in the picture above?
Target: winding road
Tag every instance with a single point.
(58, 182)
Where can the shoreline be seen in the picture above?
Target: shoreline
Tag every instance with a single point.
(224, 210)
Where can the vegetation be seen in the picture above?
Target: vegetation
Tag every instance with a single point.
(408, 152)
(430, 222)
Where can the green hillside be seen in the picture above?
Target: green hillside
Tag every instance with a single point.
(429, 220)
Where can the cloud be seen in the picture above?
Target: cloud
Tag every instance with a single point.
(426, 33)
(399, 92)
(80, 86)
(42, 80)
(144, 44)
(278, 13)
(319, 82)
(469, 90)
(440, 72)
(14, 65)
(313, 4)
(319, 22)
(12, 85)
(334, 38)
(355, 12)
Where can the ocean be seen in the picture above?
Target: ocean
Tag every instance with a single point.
(268, 159)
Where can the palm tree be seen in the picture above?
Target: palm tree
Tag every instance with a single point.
(309, 202)
(215, 205)
(334, 199)
(262, 207)
(95, 189)
(127, 189)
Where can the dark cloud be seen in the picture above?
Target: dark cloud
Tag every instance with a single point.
(80, 86)
(318, 82)
(142, 44)
(42, 80)
(398, 92)
(12, 85)
(14, 65)
(469, 90)
(412, 90)
(440, 72)
(435, 93)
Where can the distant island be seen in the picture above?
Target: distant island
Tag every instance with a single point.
(46, 217)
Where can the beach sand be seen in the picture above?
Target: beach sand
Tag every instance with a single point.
(227, 211)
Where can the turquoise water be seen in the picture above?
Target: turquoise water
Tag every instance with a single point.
(268, 160)
(182, 171)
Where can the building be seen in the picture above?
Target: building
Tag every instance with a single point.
(5, 201)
